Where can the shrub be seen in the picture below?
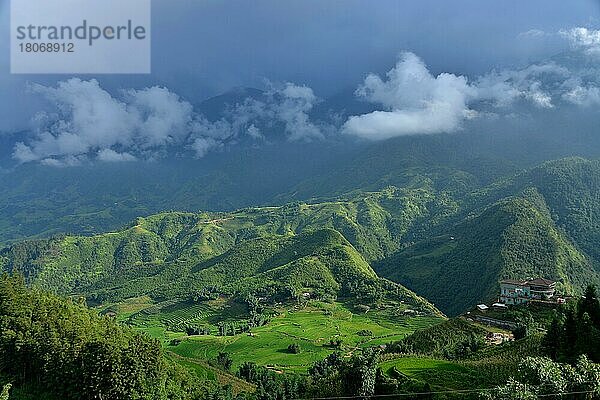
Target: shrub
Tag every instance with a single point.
(294, 348)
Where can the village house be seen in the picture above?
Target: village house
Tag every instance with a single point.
(514, 291)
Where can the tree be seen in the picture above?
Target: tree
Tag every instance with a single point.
(67, 351)
(578, 334)
(5, 392)
(224, 360)
(590, 304)
(294, 348)
(513, 390)
(569, 336)
(542, 377)
(551, 341)
(360, 374)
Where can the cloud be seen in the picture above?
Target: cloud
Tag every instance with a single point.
(583, 96)
(87, 119)
(532, 83)
(87, 122)
(288, 105)
(254, 132)
(109, 155)
(583, 38)
(413, 101)
(162, 116)
(203, 145)
(533, 33)
(295, 102)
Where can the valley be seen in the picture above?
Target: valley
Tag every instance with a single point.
(302, 200)
(288, 287)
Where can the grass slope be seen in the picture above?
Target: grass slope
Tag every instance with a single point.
(450, 243)
(513, 238)
(312, 325)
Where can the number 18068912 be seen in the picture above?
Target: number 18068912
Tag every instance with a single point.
(47, 47)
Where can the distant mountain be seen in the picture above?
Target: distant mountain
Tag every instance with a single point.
(449, 241)
(175, 256)
(39, 200)
(541, 222)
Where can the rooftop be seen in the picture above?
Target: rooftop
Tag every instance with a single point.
(541, 282)
(528, 282)
(518, 282)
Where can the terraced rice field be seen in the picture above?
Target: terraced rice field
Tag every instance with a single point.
(312, 328)
(442, 374)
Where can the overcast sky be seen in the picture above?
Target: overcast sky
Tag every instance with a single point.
(202, 48)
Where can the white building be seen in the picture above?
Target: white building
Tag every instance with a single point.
(514, 291)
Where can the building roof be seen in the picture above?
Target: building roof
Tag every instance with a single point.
(541, 282)
(523, 282)
(518, 282)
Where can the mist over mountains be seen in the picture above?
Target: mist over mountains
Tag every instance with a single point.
(97, 160)
(309, 200)
(78, 121)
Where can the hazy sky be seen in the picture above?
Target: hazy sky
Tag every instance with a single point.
(202, 48)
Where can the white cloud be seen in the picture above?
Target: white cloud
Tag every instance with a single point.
(162, 116)
(68, 161)
(505, 87)
(293, 109)
(416, 102)
(88, 119)
(288, 105)
(109, 155)
(203, 145)
(533, 33)
(254, 132)
(88, 122)
(583, 96)
(583, 38)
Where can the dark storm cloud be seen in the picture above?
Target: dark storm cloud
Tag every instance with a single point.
(202, 48)
(332, 44)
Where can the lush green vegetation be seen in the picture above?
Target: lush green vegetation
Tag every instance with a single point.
(319, 331)
(448, 243)
(61, 348)
(513, 238)
(576, 331)
(277, 254)
(452, 339)
(435, 374)
(542, 378)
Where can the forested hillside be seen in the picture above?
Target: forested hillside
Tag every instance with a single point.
(450, 245)
(58, 349)
(176, 256)
(513, 238)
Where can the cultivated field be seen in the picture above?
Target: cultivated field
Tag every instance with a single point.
(313, 326)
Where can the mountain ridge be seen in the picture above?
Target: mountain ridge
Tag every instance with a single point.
(521, 226)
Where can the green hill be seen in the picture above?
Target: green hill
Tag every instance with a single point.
(571, 189)
(513, 238)
(177, 256)
(448, 243)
